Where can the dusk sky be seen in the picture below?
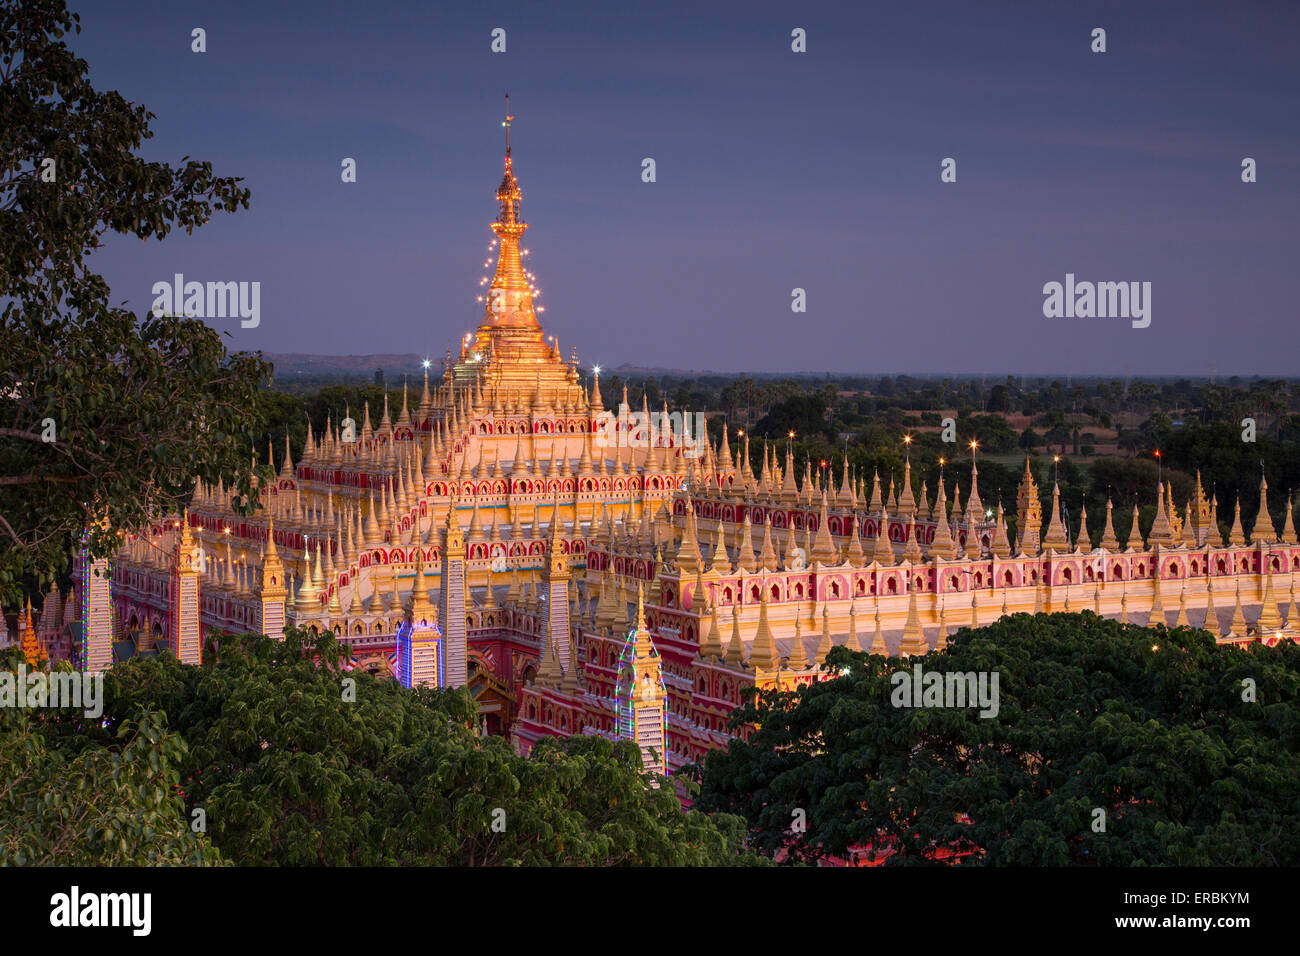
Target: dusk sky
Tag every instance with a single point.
(775, 170)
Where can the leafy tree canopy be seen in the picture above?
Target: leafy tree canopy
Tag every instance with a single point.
(1148, 725)
(805, 415)
(289, 771)
(115, 804)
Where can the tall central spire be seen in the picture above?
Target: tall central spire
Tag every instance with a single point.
(509, 302)
(509, 351)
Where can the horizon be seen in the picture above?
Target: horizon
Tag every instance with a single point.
(994, 377)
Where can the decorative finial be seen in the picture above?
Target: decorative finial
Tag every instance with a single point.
(506, 124)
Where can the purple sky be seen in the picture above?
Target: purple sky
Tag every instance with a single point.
(775, 170)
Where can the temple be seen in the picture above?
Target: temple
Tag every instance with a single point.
(630, 582)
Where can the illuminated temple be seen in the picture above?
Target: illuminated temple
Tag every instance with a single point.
(491, 536)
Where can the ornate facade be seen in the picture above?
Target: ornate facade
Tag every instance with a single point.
(590, 586)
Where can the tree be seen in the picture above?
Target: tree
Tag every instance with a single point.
(998, 402)
(994, 434)
(292, 771)
(1057, 435)
(805, 415)
(116, 804)
(1149, 725)
(737, 395)
(1156, 430)
(103, 419)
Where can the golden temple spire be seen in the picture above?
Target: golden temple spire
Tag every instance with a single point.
(710, 640)
(762, 654)
(735, 655)
(974, 506)
(509, 299)
(914, 641)
(826, 643)
(1211, 621)
(1161, 529)
(1029, 514)
(1263, 532)
(797, 659)
(688, 552)
(767, 556)
(642, 632)
(845, 497)
(823, 549)
(1054, 534)
(720, 561)
(789, 485)
(269, 553)
(911, 546)
(878, 640)
(1235, 534)
(882, 551)
(306, 600)
(32, 650)
(906, 501)
(1108, 539)
(1157, 615)
(1237, 627)
(854, 553)
(1269, 620)
(1001, 543)
(725, 462)
(853, 643)
(745, 554)
(942, 544)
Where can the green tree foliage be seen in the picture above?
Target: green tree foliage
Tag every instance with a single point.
(1148, 725)
(136, 410)
(994, 434)
(998, 401)
(805, 415)
(291, 773)
(1230, 467)
(65, 803)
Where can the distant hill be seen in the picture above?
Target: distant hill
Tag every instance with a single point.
(290, 365)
